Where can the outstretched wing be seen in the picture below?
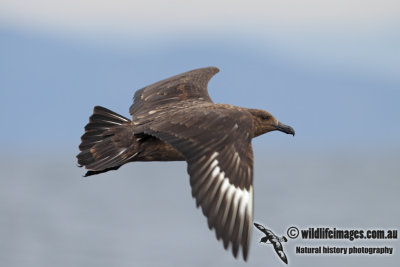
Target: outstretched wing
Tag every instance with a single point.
(261, 228)
(188, 86)
(216, 143)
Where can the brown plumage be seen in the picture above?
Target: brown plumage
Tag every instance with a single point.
(175, 119)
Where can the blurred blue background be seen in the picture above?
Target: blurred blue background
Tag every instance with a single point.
(329, 70)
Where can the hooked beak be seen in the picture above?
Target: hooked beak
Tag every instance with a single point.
(285, 128)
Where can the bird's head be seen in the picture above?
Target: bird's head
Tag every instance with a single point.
(264, 122)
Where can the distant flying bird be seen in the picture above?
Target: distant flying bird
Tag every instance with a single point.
(274, 240)
(175, 120)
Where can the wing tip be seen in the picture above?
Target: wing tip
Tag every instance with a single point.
(213, 69)
(245, 253)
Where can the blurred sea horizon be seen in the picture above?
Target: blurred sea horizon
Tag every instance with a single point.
(52, 86)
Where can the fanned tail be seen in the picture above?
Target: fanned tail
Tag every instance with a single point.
(108, 142)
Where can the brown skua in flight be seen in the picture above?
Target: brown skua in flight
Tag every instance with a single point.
(175, 120)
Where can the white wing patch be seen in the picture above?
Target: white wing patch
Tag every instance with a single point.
(238, 200)
(231, 191)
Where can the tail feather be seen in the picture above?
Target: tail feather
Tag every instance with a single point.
(108, 142)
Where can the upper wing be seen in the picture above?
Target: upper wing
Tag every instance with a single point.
(191, 85)
(217, 146)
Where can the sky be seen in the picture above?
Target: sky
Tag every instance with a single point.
(332, 62)
(330, 69)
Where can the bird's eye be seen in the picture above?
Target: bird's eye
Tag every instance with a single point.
(264, 118)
